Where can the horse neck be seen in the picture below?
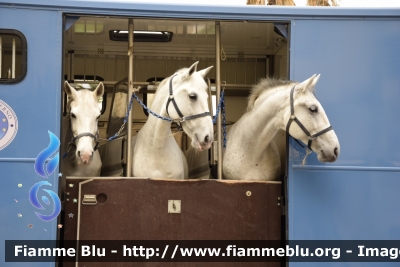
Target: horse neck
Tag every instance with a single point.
(265, 120)
(159, 130)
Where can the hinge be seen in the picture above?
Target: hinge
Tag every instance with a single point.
(280, 202)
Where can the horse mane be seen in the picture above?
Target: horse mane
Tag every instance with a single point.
(262, 86)
(164, 81)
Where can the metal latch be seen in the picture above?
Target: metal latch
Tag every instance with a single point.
(174, 206)
(89, 200)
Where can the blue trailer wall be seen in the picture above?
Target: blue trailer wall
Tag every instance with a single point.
(36, 103)
(355, 198)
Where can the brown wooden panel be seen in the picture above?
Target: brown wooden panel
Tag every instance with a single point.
(137, 209)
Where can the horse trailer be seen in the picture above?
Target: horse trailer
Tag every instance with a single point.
(316, 213)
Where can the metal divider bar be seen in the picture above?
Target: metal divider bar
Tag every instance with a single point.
(130, 91)
(218, 91)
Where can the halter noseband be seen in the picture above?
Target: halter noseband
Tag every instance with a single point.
(95, 138)
(181, 117)
(293, 118)
(75, 138)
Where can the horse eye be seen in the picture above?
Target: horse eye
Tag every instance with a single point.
(73, 115)
(193, 96)
(313, 109)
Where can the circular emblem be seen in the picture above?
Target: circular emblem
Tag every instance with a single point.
(8, 125)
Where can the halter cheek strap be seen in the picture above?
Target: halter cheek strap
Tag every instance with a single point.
(181, 117)
(75, 138)
(294, 118)
(172, 99)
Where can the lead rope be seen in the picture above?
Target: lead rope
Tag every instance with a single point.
(127, 114)
(125, 120)
(308, 152)
(221, 105)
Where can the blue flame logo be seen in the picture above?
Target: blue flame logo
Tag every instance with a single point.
(44, 156)
(45, 166)
(35, 202)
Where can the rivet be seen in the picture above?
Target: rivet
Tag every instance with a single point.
(248, 193)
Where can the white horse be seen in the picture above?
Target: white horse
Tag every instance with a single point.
(81, 135)
(274, 105)
(181, 97)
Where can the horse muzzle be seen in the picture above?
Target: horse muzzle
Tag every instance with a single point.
(204, 144)
(329, 155)
(84, 158)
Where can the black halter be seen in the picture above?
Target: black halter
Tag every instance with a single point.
(75, 138)
(293, 118)
(181, 117)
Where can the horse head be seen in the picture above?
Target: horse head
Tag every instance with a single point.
(84, 112)
(311, 123)
(190, 105)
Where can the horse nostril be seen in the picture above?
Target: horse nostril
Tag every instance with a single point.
(335, 151)
(79, 153)
(206, 139)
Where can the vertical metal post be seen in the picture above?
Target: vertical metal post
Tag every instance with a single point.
(13, 59)
(94, 67)
(115, 68)
(255, 71)
(130, 91)
(1, 53)
(71, 65)
(84, 67)
(105, 67)
(218, 92)
(245, 72)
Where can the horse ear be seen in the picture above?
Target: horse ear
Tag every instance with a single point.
(204, 72)
(99, 91)
(309, 84)
(69, 90)
(192, 68)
